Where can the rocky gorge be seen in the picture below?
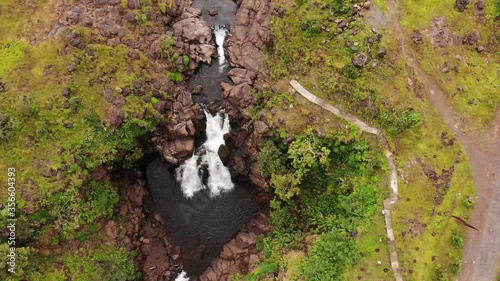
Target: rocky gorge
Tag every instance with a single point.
(111, 23)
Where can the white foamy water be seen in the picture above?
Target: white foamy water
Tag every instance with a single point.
(219, 179)
(182, 277)
(220, 35)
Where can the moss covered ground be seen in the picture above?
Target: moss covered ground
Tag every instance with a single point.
(53, 132)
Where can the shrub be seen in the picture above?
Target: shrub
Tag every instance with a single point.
(185, 60)
(11, 53)
(175, 77)
(26, 106)
(8, 127)
(456, 266)
(169, 42)
(331, 254)
(141, 17)
(457, 241)
(271, 159)
(396, 123)
(23, 255)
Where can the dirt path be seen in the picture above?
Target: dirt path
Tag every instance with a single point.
(393, 177)
(482, 248)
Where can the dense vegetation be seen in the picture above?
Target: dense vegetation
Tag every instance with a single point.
(56, 131)
(325, 186)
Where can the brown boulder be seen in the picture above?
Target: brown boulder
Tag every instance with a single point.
(360, 60)
(255, 176)
(135, 194)
(473, 38)
(111, 229)
(114, 117)
(109, 28)
(134, 4)
(193, 30)
(440, 33)
(241, 75)
(178, 149)
(461, 4)
(240, 95)
(156, 263)
(261, 128)
(417, 37)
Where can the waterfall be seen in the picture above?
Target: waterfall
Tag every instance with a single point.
(206, 159)
(220, 35)
(182, 277)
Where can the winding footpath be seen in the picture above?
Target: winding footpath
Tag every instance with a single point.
(481, 256)
(393, 177)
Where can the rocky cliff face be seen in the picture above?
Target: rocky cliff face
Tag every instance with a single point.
(177, 31)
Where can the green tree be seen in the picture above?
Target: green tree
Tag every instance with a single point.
(307, 152)
(271, 159)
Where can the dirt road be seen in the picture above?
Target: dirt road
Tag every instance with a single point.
(482, 248)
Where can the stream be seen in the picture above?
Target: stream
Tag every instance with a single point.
(210, 75)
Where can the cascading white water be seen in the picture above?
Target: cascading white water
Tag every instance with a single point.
(182, 277)
(220, 36)
(219, 179)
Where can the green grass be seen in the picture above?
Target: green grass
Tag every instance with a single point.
(478, 72)
(373, 245)
(317, 66)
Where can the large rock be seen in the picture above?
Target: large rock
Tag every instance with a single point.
(240, 75)
(193, 30)
(178, 149)
(255, 177)
(360, 60)
(114, 117)
(157, 262)
(250, 34)
(440, 33)
(461, 4)
(134, 4)
(473, 37)
(240, 95)
(417, 37)
(261, 128)
(479, 9)
(109, 28)
(111, 229)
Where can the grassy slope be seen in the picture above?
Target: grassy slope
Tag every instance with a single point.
(416, 207)
(39, 141)
(478, 72)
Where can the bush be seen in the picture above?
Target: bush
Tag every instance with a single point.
(397, 123)
(331, 254)
(272, 161)
(26, 106)
(175, 77)
(8, 127)
(185, 60)
(141, 17)
(457, 241)
(456, 266)
(23, 255)
(11, 53)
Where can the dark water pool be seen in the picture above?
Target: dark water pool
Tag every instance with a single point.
(200, 225)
